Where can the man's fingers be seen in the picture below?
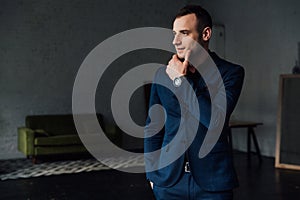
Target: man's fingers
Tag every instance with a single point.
(174, 57)
(186, 58)
(175, 67)
(187, 55)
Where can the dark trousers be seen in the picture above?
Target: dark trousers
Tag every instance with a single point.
(187, 189)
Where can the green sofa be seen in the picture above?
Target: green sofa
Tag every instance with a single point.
(56, 134)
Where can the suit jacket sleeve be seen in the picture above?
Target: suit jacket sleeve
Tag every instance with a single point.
(232, 80)
(153, 137)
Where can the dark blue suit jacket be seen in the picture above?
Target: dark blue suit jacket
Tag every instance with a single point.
(214, 172)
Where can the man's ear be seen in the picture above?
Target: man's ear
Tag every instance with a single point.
(206, 34)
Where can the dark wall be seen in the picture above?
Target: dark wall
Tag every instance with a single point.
(43, 43)
(263, 37)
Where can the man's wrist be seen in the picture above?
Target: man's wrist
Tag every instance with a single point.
(177, 81)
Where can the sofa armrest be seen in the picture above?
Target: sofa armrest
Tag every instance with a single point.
(26, 140)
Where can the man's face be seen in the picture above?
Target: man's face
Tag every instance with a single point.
(185, 29)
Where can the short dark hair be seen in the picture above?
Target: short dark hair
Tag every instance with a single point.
(203, 17)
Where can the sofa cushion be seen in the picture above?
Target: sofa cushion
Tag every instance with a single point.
(57, 140)
(40, 133)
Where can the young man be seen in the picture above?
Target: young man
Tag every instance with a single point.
(191, 176)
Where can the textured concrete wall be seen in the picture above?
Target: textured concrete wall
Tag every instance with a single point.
(262, 36)
(43, 43)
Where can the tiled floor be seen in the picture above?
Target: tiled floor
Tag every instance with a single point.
(257, 181)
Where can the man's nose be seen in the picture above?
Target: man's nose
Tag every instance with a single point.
(176, 40)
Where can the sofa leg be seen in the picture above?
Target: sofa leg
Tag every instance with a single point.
(34, 160)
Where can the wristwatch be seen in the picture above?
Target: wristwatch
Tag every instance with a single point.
(177, 81)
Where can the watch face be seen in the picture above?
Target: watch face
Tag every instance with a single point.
(177, 82)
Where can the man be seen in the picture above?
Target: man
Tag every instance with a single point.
(190, 176)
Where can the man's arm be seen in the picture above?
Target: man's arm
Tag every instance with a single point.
(232, 80)
(154, 132)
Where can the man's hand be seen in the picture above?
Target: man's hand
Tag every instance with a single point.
(176, 68)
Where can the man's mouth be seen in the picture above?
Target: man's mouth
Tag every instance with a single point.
(180, 49)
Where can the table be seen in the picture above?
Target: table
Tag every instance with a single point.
(250, 127)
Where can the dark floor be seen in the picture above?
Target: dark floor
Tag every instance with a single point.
(263, 181)
(258, 182)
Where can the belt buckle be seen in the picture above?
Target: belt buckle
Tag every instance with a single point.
(187, 167)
